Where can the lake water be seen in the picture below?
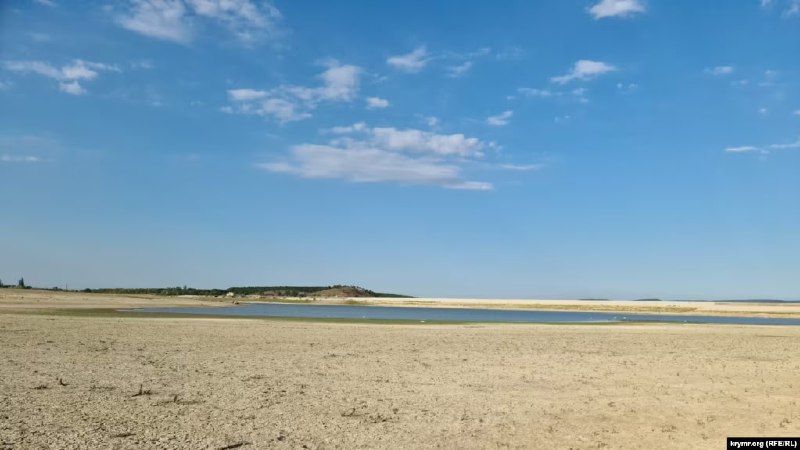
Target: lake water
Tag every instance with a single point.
(458, 314)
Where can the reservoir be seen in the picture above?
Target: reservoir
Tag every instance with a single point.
(458, 314)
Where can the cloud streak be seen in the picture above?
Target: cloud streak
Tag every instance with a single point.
(69, 76)
(377, 103)
(720, 70)
(180, 20)
(412, 62)
(583, 70)
(616, 8)
(501, 119)
(764, 150)
(20, 159)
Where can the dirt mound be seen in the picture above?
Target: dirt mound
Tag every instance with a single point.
(343, 292)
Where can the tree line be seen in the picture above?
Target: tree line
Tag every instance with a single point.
(20, 284)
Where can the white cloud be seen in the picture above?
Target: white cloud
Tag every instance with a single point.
(789, 8)
(178, 20)
(763, 151)
(48, 3)
(160, 19)
(720, 70)
(797, 112)
(432, 121)
(4, 85)
(763, 111)
(386, 155)
(616, 8)
(411, 62)
(246, 94)
(377, 103)
(340, 82)
(283, 110)
(459, 70)
(73, 87)
(144, 64)
(742, 149)
(584, 70)
(426, 141)
(20, 159)
(354, 128)
(371, 165)
(532, 92)
(288, 103)
(792, 9)
(522, 167)
(789, 146)
(69, 76)
(500, 119)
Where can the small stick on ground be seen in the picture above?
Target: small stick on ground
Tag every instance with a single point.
(61, 382)
(122, 435)
(142, 392)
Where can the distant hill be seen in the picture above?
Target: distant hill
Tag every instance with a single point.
(263, 291)
(345, 291)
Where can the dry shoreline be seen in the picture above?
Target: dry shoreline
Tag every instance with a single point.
(95, 381)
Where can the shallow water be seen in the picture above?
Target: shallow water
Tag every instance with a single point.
(458, 314)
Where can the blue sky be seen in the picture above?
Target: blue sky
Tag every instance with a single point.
(614, 148)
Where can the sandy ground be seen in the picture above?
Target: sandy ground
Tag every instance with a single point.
(71, 382)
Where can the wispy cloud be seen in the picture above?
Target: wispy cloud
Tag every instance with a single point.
(27, 148)
(377, 103)
(386, 155)
(533, 92)
(742, 149)
(69, 76)
(720, 70)
(584, 70)
(288, 103)
(426, 142)
(179, 20)
(40, 37)
(616, 8)
(788, 8)
(522, 167)
(20, 159)
(454, 64)
(433, 121)
(789, 146)
(48, 3)
(459, 69)
(500, 119)
(764, 150)
(371, 165)
(412, 62)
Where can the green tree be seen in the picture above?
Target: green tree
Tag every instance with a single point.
(21, 283)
